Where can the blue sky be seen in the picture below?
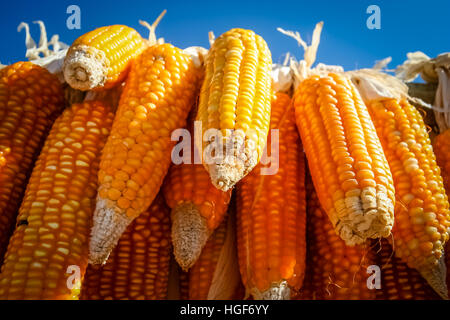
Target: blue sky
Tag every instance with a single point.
(405, 25)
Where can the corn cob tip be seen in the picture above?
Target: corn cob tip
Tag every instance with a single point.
(189, 234)
(277, 291)
(232, 169)
(436, 278)
(106, 231)
(85, 68)
(369, 217)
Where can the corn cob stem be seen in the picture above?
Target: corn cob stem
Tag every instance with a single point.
(102, 58)
(189, 234)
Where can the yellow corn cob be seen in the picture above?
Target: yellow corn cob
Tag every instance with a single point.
(348, 166)
(422, 216)
(138, 267)
(334, 271)
(159, 92)
(197, 209)
(398, 281)
(30, 100)
(271, 215)
(235, 96)
(102, 58)
(49, 247)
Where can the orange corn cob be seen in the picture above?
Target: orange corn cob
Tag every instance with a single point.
(138, 267)
(441, 148)
(30, 100)
(159, 92)
(50, 241)
(271, 215)
(447, 264)
(102, 58)
(235, 101)
(197, 208)
(422, 215)
(334, 271)
(348, 166)
(398, 281)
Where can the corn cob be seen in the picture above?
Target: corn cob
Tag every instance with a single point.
(422, 216)
(398, 281)
(51, 236)
(442, 151)
(235, 102)
(197, 209)
(348, 167)
(441, 148)
(139, 265)
(272, 215)
(447, 264)
(30, 100)
(161, 85)
(102, 58)
(334, 271)
(215, 275)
